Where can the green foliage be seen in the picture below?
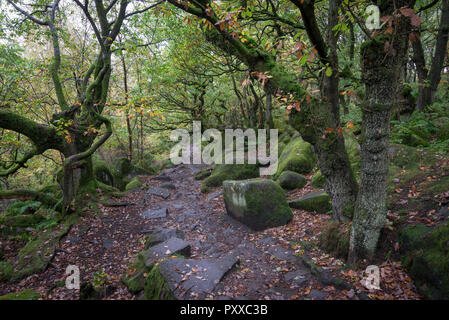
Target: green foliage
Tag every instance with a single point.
(23, 207)
(428, 129)
(100, 278)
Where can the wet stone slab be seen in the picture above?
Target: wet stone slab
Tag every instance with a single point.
(189, 278)
(160, 192)
(157, 236)
(282, 253)
(155, 213)
(166, 249)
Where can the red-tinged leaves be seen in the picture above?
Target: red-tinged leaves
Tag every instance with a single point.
(407, 12)
(415, 21)
(413, 37)
(262, 77)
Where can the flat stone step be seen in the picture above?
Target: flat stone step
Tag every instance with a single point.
(166, 249)
(282, 253)
(157, 236)
(162, 177)
(160, 192)
(155, 213)
(189, 278)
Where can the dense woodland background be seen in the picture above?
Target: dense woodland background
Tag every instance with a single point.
(91, 89)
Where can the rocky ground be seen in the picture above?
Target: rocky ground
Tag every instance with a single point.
(227, 260)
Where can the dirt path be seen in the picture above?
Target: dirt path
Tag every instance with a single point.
(271, 262)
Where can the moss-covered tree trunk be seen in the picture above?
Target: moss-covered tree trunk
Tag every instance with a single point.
(382, 64)
(82, 121)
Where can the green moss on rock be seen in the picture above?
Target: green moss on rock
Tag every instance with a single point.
(224, 172)
(135, 283)
(297, 156)
(425, 253)
(313, 202)
(135, 183)
(35, 255)
(156, 287)
(318, 180)
(257, 203)
(290, 180)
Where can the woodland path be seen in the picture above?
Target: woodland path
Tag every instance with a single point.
(271, 262)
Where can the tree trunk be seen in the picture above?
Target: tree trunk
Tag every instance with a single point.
(440, 54)
(382, 65)
(268, 115)
(429, 81)
(420, 63)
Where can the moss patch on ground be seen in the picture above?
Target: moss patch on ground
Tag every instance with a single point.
(35, 256)
(26, 294)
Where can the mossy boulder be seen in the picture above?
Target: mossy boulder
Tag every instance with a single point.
(135, 183)
(335, 239)
(425, 253)
(318, 180)
(318, 202)
(290, 180)
(257, 203)
(297, 156)
(26, 294)
(224, 172)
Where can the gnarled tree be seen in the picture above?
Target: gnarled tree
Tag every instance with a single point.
(83, 116)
